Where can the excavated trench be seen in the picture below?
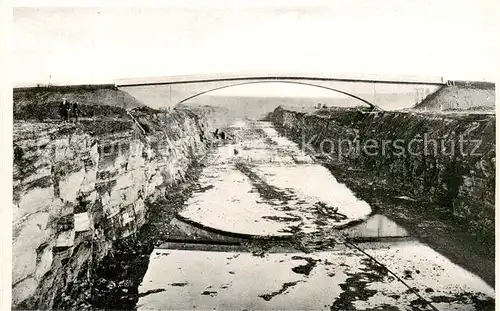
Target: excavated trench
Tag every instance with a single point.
(124, 275)
(120, 229)
(121, 274)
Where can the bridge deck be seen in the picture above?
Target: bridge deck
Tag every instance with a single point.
(202, 78)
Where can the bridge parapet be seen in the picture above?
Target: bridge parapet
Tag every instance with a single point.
(204, 78)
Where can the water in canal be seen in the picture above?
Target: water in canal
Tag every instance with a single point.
(260, 187)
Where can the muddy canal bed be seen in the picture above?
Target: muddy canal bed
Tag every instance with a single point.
(340, 279)
(264, 185)
(260, 229)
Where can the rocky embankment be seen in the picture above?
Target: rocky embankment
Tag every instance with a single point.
(80, 189)
(447, 161)
(42, 103)
(478, 96)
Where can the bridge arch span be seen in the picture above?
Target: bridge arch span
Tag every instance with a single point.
(167, 92)
(280, 81)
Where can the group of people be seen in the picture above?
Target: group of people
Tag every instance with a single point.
(69, 110)
(220, 134)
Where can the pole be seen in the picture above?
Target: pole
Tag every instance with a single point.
(374, 94)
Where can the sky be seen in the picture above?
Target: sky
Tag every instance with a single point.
(87, 45)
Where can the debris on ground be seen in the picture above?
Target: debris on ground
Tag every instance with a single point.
(209, 293)
(283, 289)
(404, 197)
(307, 268)
(329, 211)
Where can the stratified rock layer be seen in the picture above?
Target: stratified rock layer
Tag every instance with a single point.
(78, 188)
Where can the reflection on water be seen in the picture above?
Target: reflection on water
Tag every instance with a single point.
(377, 226)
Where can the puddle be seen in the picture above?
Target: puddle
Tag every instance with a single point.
(376, 227)
(341, 278)
(253, 191)
(225, 252)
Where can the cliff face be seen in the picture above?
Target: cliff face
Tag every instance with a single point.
(450, 163)
(77, 191)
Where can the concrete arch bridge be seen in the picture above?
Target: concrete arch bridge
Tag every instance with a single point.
(372, 90)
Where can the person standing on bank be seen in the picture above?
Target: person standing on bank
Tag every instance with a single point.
(75, 111)
(62, 109)
(67, 107)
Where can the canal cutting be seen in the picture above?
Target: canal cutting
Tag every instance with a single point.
(266, 226)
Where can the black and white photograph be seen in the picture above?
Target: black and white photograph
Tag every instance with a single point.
(252, 155)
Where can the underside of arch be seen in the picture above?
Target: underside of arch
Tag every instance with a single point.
(282, 81)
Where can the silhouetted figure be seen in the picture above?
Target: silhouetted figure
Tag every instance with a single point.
(222, 135)
(62, 109)
(216, 133)
(18, 154)
(75, 110)
(67, 110)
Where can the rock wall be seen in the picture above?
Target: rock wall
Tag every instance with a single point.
(76, 192)
(450, 163)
